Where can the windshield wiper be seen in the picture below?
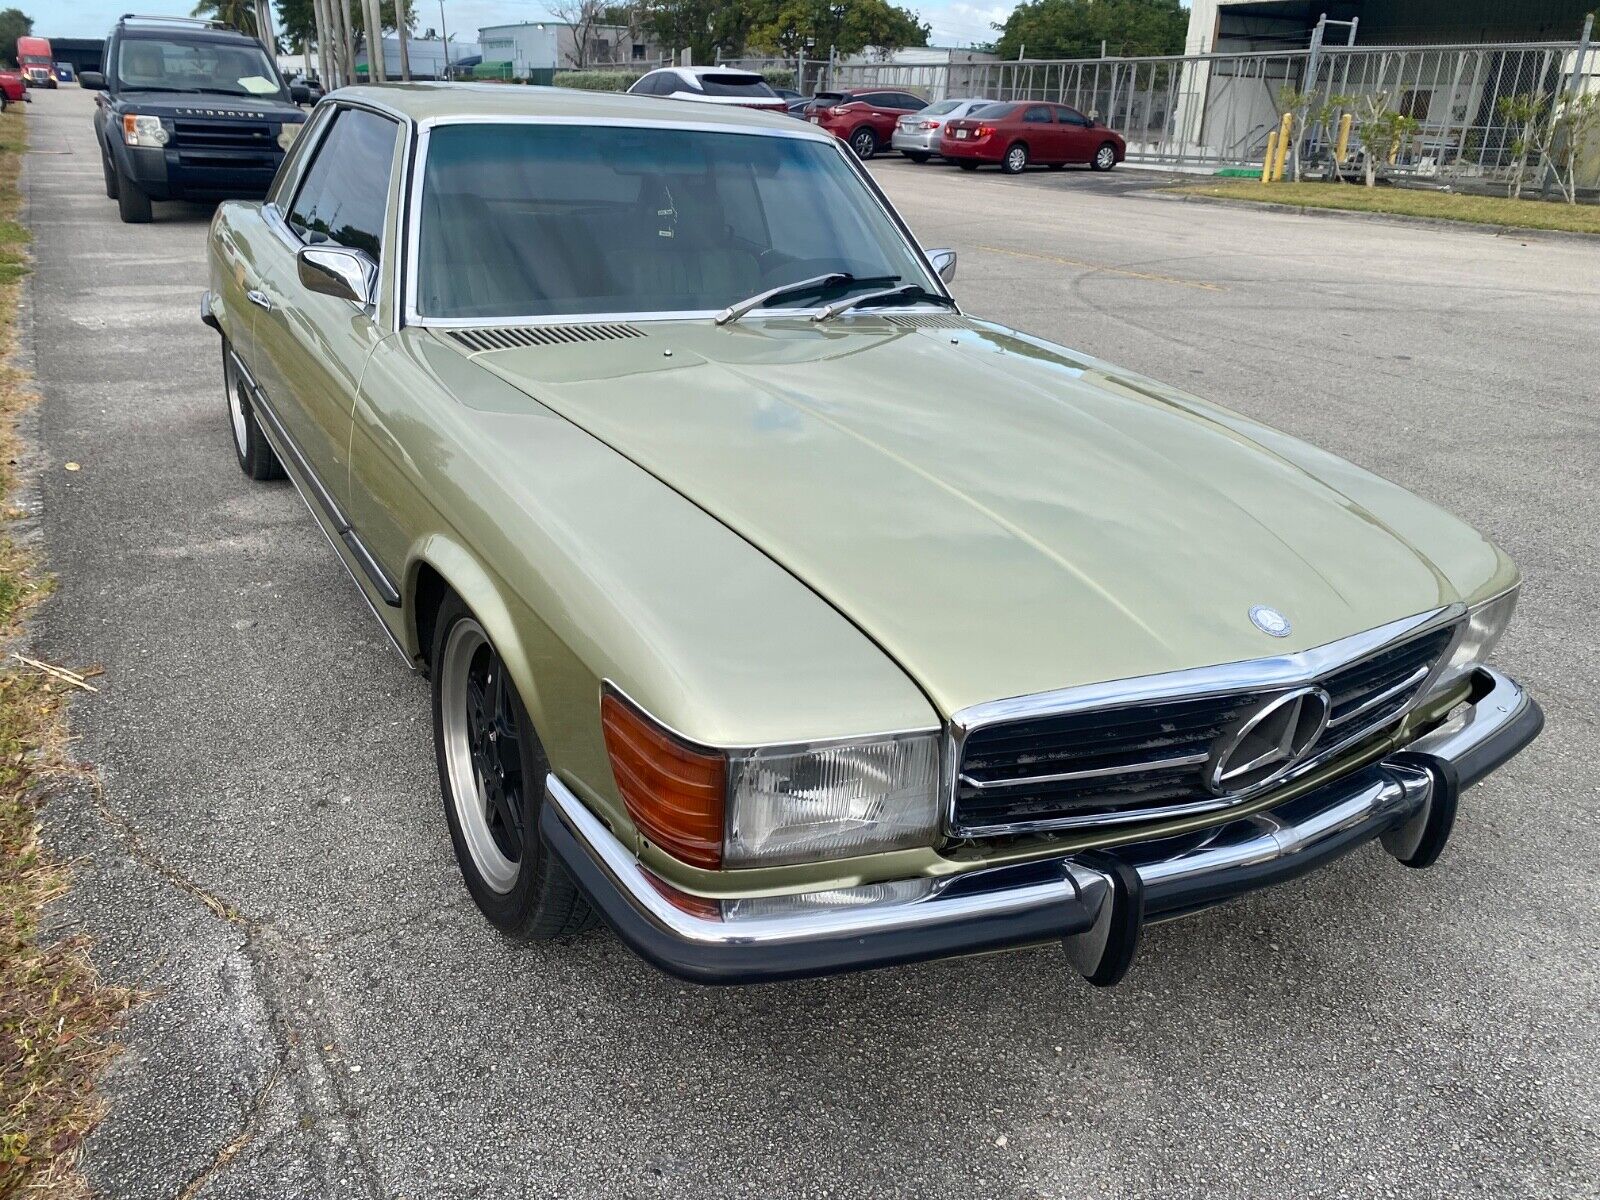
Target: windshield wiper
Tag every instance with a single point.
(180, 91)
(911, 291)
(734, 311)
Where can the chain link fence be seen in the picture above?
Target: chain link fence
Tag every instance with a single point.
(1217, 110)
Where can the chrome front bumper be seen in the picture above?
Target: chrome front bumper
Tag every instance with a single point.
(1095, 903)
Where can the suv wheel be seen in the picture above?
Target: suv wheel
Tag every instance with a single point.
(256, 457)
(111, 176)
(1105, 158)
(1016, 159)
(491, 771)
(864, 142)
(133, 203)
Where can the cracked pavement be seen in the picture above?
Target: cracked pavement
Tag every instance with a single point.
(329, 1017)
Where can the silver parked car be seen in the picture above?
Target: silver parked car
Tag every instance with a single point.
(916, 135)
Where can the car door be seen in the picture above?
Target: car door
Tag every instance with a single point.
(312, 347)
(1078, 142)
(1039, 131)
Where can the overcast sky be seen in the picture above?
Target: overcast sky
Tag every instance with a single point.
(954, 22)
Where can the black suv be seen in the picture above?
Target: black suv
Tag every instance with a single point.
(189, 110)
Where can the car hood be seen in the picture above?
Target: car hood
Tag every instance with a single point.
(1003, 516)
(211, 104)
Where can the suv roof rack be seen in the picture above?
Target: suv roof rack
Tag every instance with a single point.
(204, 22)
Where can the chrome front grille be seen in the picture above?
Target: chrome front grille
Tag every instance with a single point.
(1147, 758)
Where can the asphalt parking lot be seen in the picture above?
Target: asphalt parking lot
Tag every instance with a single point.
(329, 1016)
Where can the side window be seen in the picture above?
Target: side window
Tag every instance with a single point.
(293, 161)
(1070, 116)
(906, 100)
(876, 99)
(346, 188)
(1037, 113)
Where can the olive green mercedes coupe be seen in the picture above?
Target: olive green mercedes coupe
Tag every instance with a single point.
(786, 616)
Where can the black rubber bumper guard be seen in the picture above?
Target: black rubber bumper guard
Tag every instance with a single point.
(1096, 904)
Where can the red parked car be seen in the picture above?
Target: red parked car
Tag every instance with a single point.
(12, 89)
(864, 117)
(1014, 135)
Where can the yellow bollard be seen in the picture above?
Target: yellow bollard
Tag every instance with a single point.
(1343, 147)
(1285, 135)
(1271, 160)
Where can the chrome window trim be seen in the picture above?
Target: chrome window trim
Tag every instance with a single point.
(394, 212)
(417, 165)
(1278, 671)
(303, 150)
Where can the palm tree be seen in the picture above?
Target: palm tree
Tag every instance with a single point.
(241, 14)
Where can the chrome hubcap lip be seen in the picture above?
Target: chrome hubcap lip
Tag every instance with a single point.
(467, 793)
(235, 388)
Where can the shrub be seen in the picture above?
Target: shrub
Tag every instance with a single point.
(598, 81)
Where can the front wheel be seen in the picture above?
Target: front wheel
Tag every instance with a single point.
(1104, 158)
(133, 202)
(1016, 160)
(864, 142)
(492, 769)
(111, 176)
(917, 156)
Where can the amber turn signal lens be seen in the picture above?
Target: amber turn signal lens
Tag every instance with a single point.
(674, 792)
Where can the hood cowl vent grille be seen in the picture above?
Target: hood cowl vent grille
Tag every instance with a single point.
(931, 321)
(511, 336)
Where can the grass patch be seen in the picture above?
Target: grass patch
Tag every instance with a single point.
(56, 1017)
(1444, 206)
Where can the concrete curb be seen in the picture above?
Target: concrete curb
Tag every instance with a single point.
(1394, 218)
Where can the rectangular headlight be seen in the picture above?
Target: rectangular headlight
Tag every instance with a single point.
(143, 131)
(798, 804)
(1486, 622)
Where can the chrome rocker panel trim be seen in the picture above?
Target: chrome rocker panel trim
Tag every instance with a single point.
(1407, 800)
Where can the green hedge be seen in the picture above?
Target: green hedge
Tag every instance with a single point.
(598, 81)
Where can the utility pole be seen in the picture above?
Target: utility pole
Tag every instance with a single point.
(445, 37)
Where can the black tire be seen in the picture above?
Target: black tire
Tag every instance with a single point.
(967, 166)
(1015, 161)
(133, 204)
(1104, 158)
(917, 156)
(250, 446)
(111, 176)
(541, 902)
(864, 142)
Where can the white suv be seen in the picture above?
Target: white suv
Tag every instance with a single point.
(711, 85)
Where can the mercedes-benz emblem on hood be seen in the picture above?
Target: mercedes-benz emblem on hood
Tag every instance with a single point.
(1270, 620)
(1269, 742)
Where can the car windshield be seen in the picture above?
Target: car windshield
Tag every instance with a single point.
(542, 220)
(173, 65)
(733, 84)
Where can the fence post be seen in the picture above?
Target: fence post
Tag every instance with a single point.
(1570, 92)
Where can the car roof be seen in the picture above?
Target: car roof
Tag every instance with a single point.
(466, 101)
(185, 33)
(697, 72)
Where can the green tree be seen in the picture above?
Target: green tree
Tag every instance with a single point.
(848, 26)
(1076, 28)
(14, 24)
(241, 14)
(297, 19)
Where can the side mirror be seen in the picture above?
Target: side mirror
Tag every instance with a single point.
(943, 261)
(92, 81)
(335, 271)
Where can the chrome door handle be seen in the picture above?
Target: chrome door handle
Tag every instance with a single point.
(259, 299)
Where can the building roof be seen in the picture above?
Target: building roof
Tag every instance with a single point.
(449, 101)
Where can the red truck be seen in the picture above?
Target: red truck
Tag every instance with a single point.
(38, 65)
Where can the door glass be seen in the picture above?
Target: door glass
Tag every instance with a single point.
(1070, 116)
(1037, 113)
(346, 188)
